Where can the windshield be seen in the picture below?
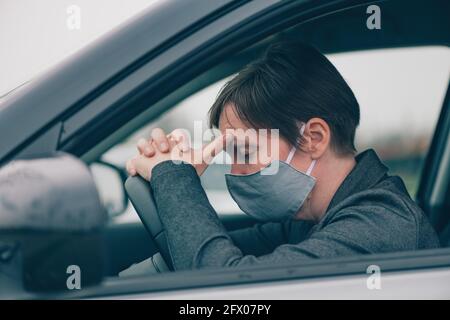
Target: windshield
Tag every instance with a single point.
(39, 34)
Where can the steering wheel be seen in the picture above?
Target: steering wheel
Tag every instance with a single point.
(141, 196)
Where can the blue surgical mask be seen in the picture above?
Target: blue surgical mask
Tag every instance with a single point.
(272, 197)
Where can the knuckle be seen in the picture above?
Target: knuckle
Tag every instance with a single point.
(157, 132)
(141, 143)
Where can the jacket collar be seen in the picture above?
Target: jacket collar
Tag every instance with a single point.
(368, 171)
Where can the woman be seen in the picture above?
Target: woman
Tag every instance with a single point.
(322, 201)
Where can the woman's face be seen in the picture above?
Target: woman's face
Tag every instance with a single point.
(252, 150)
(315, 145)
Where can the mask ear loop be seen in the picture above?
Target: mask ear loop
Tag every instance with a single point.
(292, 152)
(294, 148)
(291, 155)
(311, 167)
(313, 163)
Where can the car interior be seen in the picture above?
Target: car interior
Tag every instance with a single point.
(124, 244)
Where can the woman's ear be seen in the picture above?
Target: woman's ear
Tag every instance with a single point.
(317, 136)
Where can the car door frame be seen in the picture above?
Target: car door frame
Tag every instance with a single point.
(433, 194)
(226, 283)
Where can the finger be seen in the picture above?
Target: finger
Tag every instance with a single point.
(160, 139)
(182, 139)
(130, 168)
(140, 164)
(145, 147)
(172, 142)
(215, 147)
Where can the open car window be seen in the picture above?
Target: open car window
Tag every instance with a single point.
(398, 115)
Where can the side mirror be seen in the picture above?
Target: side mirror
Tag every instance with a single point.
(110, 180)
(51, 222)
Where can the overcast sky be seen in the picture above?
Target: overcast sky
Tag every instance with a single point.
(406, 84)
(34, 33)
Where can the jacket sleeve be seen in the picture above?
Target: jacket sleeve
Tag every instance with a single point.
(197, 239)
(260, 239)
(191, 222)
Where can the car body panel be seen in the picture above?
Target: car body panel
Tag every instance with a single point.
(394, 285)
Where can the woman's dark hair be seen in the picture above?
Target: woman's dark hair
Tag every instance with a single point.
(290, 84)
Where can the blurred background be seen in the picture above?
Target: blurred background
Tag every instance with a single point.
(400, 91)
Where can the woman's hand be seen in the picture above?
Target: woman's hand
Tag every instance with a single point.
(176, 147)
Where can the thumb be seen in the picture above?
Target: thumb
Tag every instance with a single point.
(212, 149)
